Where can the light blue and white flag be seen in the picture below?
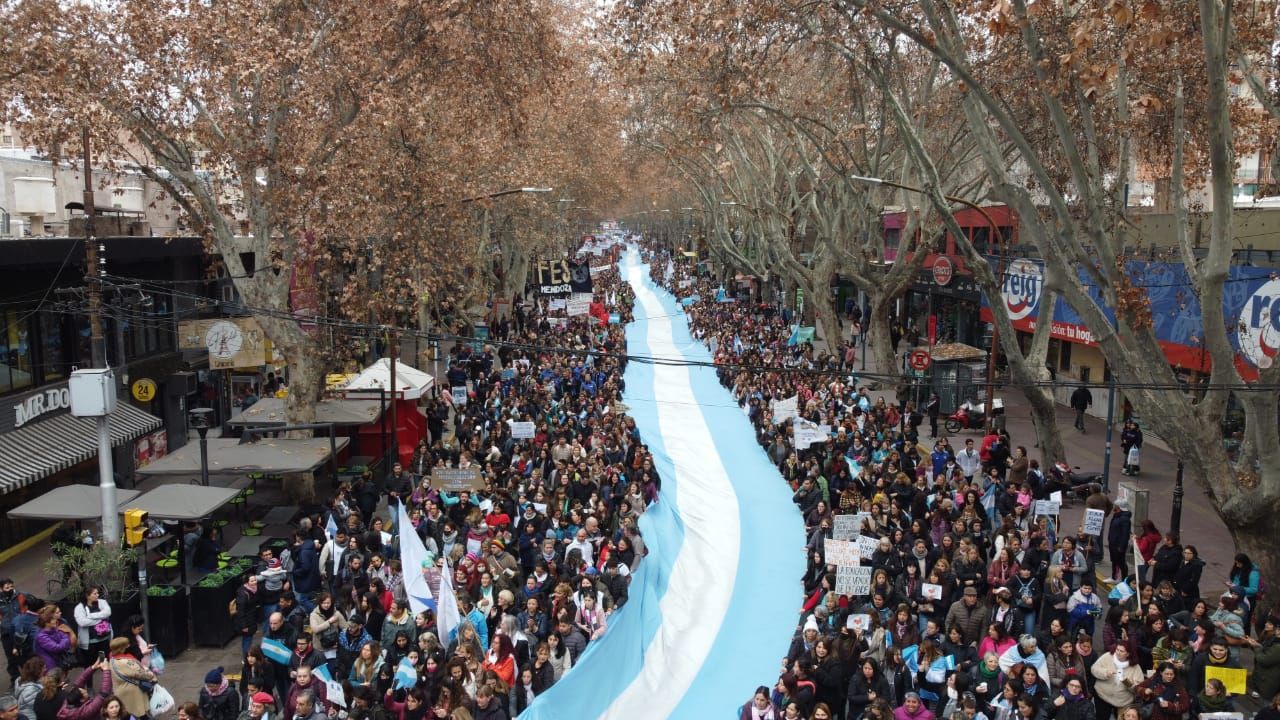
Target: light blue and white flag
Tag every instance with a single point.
(333, 688)
(911, 657)
(276, 652)
(937, 672)
(331, 527)
(855, 469)
(413, 554)
(406, 675)
(448, 617)
(1120, 592)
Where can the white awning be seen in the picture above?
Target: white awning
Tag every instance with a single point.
(411, 383)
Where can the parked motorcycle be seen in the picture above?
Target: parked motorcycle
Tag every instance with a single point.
(969, 416)
(1071, 482)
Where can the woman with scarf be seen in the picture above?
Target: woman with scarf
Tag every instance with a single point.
(1165, 694)
(760, 707)
(218, 700)
(1214, 698)
(1117, 677)
(1071, 702)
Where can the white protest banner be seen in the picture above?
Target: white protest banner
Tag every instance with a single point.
(1048, 507)
(576, 307)
(841, 552)
(807, 433)
(867, 545)
(521, 430)
(684, 283)
(784, 410)
(845, 527)
(556, 304)
(1056, 496)
(931, 591)
(853, 580)
(858, 622)
(1093, 521)
(599, 268)
(460, 395)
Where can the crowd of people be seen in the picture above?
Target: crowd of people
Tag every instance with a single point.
(541, 553)
(978, 609)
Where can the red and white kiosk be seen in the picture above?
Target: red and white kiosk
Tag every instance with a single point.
(411, 385)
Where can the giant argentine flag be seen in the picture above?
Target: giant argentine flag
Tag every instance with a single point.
(412, 555)
(711, 608)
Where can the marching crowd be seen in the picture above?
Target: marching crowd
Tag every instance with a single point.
(541, 554)
(977, 609)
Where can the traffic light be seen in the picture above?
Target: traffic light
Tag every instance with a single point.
(135, 526)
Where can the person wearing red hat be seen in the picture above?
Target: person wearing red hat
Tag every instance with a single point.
(260, 706)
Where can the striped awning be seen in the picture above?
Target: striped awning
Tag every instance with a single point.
(31, 453)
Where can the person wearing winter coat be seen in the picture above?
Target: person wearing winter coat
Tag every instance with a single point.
(1072, 702)
(1266, 660)
(865, 687)
(127, 675)
(53, 640)
(218, 700)
(1118, 534)
(1118, 675)
(93, 618)
(247, 612)
(1025, 652)
(912, 709)
(1165, 693)
(1130, 438)
(1187, 577)
(80, 703)
(306, 568)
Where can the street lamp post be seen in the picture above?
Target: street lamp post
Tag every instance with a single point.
(998, 237)
(200, 421)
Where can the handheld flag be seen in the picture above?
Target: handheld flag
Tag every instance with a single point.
(331, 527)
(1120, 592)
(938, 669)
(333, 689)
(855, 469)
(275, 651)
(794, 339)
(413, 554)
(449, 617)
(911, 657)
(406, 675)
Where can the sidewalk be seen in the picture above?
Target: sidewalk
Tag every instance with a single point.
(1201, 526)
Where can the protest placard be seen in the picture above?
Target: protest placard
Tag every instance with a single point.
(931, 591)
(1048, 507)
(460, 395)
(858, 622)
(521, 430)
(841, 552)
(576, 307)
(867, 545)
(1093, 521)
(784, 410)
(845, 527)
(557, 304)
(807, 433)
(853, 580)
(457, 479)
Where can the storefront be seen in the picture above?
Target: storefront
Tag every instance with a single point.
(42, 446)
(944, 305)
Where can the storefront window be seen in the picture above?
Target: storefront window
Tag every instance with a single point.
(53, 352)
(15, 351)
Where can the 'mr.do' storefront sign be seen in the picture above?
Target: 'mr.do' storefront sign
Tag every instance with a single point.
(44, 403)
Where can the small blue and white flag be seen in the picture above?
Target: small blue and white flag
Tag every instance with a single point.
(855, 469)
(449, 617)
(413, 556)
(406, 675)
(276, 652)
(794, 339)
(331, 527)
(1120, 592)
(333, 688)
(911, 657)
(937, 672)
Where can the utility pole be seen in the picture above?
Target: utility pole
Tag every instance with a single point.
(93, 270)
(1175, 514)
(395, 435)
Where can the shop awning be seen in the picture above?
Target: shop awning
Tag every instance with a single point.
(411, 383)
(69, 502)
(280, 456)
(41, 449)
(339, 411)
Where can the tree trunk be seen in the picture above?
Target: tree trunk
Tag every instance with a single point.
(824, 317)
(884, 357)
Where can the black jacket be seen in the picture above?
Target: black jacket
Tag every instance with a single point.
(220, 707)
(1120, 530)
(858, 688)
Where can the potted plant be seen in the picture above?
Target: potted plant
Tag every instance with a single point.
(167, 614)
(210, 599)
(109, 567)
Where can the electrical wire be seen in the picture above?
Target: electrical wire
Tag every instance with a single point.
(47, 292)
